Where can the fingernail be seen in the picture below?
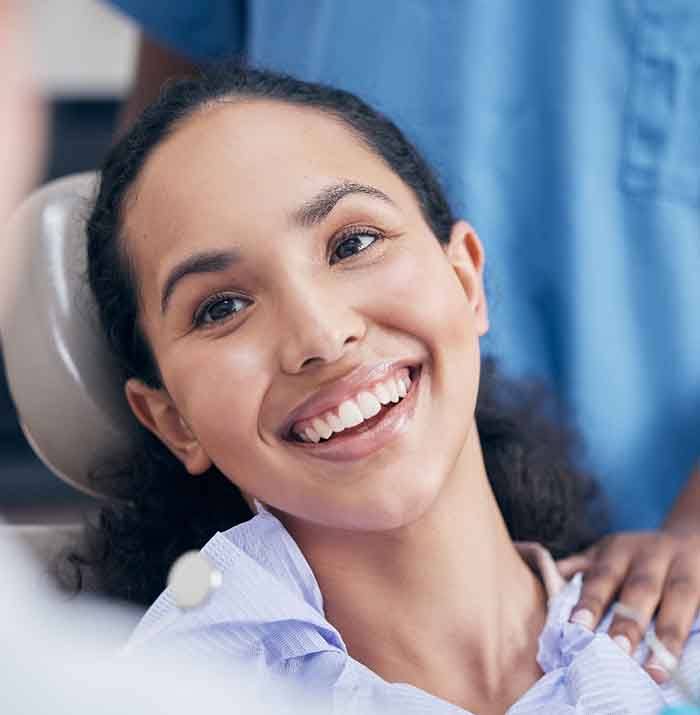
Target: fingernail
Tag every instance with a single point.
(584, 618)
(658, 669)
(624, 643)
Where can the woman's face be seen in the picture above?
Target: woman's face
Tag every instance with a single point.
(283, 270)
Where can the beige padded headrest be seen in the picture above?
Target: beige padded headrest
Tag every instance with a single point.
(62, 378)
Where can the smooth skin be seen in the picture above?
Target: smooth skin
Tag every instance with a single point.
(22, 130)
(651, 572)
(409, 524)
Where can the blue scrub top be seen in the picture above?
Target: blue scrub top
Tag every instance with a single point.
(568, 134)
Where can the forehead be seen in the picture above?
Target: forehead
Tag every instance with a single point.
(232, 160)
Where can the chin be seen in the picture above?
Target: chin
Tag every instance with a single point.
(397, 508)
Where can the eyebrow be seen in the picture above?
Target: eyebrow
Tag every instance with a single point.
(310, 213)
(204, 262)
(317, 208)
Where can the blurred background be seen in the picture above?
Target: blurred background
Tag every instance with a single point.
(84, 56)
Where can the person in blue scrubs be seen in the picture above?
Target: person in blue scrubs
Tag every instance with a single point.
(568, 133)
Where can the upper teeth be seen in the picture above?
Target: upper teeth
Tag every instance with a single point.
(352, 412)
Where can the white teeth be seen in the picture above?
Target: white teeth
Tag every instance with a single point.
(354, 411)
(391, 384)
(369, 405)
(321, 427)
(336, 424)
(350, 414)
(382, 394)
(312, 435)
(401, 386)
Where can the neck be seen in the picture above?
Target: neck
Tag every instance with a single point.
(449, 604)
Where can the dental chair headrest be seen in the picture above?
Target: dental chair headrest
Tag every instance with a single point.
(62, 377)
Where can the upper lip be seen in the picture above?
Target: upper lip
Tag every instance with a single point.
(341, 389)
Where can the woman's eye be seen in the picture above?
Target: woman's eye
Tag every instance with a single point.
(353, 244)
(218, 309)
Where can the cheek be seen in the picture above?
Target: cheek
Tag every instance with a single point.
(425, 299)
(420, 294)
(219, 390)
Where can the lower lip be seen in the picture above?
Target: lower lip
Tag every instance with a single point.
(346, 448)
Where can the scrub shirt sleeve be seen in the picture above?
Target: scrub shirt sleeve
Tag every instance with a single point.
(201, 31)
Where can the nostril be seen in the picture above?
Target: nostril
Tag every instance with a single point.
(311, 361)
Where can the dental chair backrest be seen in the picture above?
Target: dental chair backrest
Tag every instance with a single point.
(62, 377)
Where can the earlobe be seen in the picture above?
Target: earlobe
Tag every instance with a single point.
(466, 255)
(155, 410)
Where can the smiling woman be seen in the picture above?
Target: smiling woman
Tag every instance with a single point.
(297, 315)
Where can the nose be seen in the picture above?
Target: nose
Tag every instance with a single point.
(317, 328)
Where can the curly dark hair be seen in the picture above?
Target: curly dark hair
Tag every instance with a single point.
(160, 510)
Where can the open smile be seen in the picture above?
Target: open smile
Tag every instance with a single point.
(370, 434)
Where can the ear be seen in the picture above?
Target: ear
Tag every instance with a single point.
(155, 410)
(466, 255)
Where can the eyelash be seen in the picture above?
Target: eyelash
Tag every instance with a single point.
(353, 232)
(198, 320)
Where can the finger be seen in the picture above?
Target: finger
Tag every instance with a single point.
(679, 607)
(600, 584)
(641, 594)
(572, 565)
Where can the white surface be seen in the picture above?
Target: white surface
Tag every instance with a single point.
(82, 47)
(65, 659)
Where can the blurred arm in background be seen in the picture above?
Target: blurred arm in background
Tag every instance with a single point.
(155, 64)
(22, 121)
(22, 126)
